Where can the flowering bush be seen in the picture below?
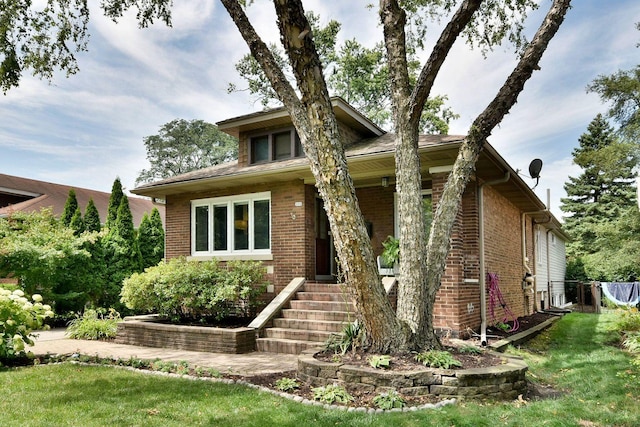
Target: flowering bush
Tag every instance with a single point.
(18, 318)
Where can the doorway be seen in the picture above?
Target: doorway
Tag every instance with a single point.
(325, 251)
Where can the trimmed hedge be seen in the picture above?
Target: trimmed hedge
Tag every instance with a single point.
(179, 289)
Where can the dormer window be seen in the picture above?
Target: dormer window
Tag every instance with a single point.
(279, 144)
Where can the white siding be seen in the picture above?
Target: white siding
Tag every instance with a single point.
(557, 266)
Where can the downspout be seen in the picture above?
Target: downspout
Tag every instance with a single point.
(483, 278)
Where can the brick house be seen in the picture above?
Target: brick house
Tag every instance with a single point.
(265, 207)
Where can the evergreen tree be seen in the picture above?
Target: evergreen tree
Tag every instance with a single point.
(77, 223)
(70, 207)
(92, 217)
(603, 190)
(151, 239)
(122, 255)
(114, 203)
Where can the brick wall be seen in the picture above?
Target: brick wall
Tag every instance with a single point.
(458, 300)
(290, 247)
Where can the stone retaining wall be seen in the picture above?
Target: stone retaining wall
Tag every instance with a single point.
(505, 381)
(191, 338)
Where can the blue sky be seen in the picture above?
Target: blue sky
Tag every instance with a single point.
(87, 129)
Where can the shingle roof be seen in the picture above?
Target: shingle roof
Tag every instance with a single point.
(31, 195)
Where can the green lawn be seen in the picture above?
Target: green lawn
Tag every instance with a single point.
(602, 389)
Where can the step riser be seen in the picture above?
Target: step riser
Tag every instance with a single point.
(283, 347)
(297, 335)
(332, 316)
(313, 325)
(322, 296)
(323, 305)
(325, 287)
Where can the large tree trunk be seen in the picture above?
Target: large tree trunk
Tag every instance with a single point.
(422, 265)
(317, 126)
(483, 125)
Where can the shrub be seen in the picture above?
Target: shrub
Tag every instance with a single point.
(181, 289)
(18, 318)
(628, 321)
(94, 325)
(353, 335)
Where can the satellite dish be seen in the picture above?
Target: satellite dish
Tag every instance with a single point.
(534, 170)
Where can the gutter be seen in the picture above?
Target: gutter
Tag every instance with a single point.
(483, 279)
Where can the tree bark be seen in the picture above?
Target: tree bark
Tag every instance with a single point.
(483, 125)
(317, 127)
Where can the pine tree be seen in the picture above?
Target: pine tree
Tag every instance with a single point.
(70, 207)
(114, 203)
(151, 239)
(92, 217)
(77, 223)
(603, 190)
(122, 255)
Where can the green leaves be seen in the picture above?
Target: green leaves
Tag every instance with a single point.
(182, 146)
(192, 290)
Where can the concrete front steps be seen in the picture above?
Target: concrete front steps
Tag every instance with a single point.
(315, 312)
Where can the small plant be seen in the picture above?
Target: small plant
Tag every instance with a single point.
(332, 393)
(183, 368)
(95, 325)
(162, 366)
(287, 384)
(352, 336)
(134, 362)
(389, 400)
(502, 326)
(379, 361)
(437, 359)
(632, 342)
(391, 252)
(469, 349)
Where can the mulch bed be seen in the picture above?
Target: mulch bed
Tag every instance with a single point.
(408, 362)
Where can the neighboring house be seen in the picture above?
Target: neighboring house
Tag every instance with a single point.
(29, 195)
(264, 206)
(550, 263)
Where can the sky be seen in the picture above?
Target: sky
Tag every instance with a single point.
(88, 129)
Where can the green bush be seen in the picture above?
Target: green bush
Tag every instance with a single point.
(180, 289)
(389, 400)
(19, 317)
(94, 325)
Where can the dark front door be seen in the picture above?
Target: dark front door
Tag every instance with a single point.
(324, 244)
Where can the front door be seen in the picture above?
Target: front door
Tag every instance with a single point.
(324, 244)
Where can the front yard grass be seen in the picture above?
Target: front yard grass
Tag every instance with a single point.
(599, 387)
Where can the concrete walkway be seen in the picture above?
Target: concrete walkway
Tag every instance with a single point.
(56, 342)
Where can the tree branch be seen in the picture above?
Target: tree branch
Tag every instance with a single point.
(443, 46)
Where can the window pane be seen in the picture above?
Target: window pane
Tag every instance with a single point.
(428, 213)
(219, 228)
(241, 226)
(299, 150)
(260, 149)
(261, 224)
(202, 228)
(282, 145)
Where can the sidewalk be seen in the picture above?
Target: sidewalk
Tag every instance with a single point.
(55, 342)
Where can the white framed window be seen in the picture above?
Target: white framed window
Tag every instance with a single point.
(232, 225)
(427, 207)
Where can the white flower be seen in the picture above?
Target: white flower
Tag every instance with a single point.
(37, 297)
(18, 292)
